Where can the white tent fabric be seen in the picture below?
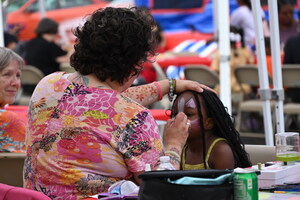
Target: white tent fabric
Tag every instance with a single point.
(1, 28)
(221, 20)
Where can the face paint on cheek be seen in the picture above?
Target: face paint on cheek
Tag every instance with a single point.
(195, 124)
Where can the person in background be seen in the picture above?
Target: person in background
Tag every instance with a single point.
(10, 41)
(12, 127)
(242, 17)
(291, 56)
(90, 129)
(42, 51)
(213, 142)
(288, 26)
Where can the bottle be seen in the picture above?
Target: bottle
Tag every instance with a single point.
(165, 163)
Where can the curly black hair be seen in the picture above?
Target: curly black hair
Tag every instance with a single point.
(223, 128)
(114, 43)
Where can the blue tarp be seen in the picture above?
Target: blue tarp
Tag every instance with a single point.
(170, 21)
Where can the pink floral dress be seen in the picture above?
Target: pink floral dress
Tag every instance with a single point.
(81, 139)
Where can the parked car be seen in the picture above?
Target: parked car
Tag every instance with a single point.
(23, 15)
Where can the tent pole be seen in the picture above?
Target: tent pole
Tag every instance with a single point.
(224, 50)
(42, 9)
(264, 90)
(278, 93)
(1, 26)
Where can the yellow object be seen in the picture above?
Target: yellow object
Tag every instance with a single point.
(199, 166)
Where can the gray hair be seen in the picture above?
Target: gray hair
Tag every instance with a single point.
(7, 56)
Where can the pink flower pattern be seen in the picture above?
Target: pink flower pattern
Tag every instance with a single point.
(82, 139)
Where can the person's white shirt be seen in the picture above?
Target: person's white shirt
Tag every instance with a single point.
(242, 17)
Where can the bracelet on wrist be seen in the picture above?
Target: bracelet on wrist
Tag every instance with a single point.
(174, 153)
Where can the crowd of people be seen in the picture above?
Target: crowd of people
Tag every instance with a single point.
(90, 129)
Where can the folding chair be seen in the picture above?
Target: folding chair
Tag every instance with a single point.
(260, 153)
(11, 168)
(248, 74)
(291, 79)
(29, 79)
(66, 67)
(202, 74)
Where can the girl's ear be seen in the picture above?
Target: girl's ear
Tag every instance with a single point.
(209, 123)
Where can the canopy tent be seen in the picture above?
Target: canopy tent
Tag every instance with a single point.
(220, 10)
(1, 28)
(266, 94)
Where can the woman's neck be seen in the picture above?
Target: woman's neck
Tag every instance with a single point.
(92, 81)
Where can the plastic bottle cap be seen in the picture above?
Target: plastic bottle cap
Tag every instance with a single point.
(147, 168)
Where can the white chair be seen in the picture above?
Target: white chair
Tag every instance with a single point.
(202, 74)
(291, 79)
(248, 74)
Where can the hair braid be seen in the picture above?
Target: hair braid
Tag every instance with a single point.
(223, 127)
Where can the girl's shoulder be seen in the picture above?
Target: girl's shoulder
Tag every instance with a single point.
(221, 155)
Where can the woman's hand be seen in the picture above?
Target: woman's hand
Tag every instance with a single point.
(183, 85)
(175, 136)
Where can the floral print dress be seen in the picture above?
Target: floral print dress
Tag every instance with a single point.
(12, 132)
(80, 140)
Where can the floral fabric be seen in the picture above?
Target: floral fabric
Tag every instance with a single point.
(12, 132)
(80, 139)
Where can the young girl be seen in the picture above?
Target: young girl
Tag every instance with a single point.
(213, 142)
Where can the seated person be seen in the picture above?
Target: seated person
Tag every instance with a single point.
(213, 142)
(12, 127)
(288, 26)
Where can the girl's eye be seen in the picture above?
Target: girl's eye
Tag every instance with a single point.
(188, 114)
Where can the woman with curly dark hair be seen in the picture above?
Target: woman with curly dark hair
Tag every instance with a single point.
(213, 142)
(89, 129)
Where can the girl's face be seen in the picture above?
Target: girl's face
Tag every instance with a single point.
(186, 103)
(10, 83)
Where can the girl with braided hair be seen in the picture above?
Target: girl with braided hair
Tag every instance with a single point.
(213, 142)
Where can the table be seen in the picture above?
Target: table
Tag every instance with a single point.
(263, 196)
(278, 196)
